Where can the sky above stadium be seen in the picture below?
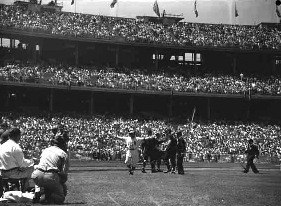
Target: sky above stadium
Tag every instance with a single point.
(251, 12)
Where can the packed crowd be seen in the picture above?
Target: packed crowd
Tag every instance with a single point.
(135, 30)
(101, 76)
(89, 135)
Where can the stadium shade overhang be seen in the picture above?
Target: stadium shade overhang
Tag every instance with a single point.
(19, 34)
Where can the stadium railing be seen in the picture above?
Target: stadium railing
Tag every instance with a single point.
(215, 158)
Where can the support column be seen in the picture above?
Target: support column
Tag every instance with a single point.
(177, 59)
(156, 60)
(131, 104)
(273, 63)
(234, 66)
(38, 51)
(34, 55)
(117, 52)
(12, 43)
(209, 108)
(51, 100)
(31, 49)
(91, 103)
(76, 54)
(7, 102)
(249, 111)
(195, 60)
(171, 104)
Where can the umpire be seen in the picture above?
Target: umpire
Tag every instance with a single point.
(170, 153)
(252, 152)
(150, 151)
(181, 149)
(146, 150)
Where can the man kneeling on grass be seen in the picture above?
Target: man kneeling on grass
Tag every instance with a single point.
(51, 173)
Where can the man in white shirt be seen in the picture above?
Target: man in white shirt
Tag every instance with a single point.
(132, 153)
(12, 162)
(51, 172)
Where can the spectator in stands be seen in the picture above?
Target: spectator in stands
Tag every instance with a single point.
(99, 134)
(132, 30)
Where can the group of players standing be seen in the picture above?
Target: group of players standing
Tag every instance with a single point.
(173, 155)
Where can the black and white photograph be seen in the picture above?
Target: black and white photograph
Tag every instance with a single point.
(140, 102)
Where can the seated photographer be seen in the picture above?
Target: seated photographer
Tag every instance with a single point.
(12, 162)
(51, 172)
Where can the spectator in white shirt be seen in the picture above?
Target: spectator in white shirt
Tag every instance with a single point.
(12, 162)
(51, 172)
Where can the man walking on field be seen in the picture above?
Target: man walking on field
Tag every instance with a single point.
(252, 153)
(132, 153)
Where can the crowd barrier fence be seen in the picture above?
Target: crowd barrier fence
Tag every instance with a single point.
(189, 157)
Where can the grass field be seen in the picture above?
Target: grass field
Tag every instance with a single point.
(108, 183)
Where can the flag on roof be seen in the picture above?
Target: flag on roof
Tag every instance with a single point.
(156, 8)
(278, 12)
(236, 11)
(195, 9)
(113, 3)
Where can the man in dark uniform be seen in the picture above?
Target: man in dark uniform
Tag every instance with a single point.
(150, 151)
(181, 149)
(145, 150)
(252, 153)
(159, 154)
(170, 153)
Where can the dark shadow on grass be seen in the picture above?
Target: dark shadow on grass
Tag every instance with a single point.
(97, 170)
(75, 203)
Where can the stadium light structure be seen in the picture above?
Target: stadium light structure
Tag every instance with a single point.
(278, 2)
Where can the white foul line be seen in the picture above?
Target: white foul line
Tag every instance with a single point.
(113, 199)
(154, 201)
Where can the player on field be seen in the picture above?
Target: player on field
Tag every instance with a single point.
(145, 149)
(132, 153)
(181, 149)
(151, 152)
(170, 152)
(252, 152)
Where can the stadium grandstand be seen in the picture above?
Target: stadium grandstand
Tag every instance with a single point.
(100, 75)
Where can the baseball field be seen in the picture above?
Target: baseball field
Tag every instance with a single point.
(109, 184)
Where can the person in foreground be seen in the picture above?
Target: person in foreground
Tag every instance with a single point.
(51, 173)
(12, 162)
(252, 152)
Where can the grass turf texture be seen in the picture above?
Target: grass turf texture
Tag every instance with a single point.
(108, 183)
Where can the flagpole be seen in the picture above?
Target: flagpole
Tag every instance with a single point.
(235, 12)
(230, 7)
(117, 9)
(75, 7)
